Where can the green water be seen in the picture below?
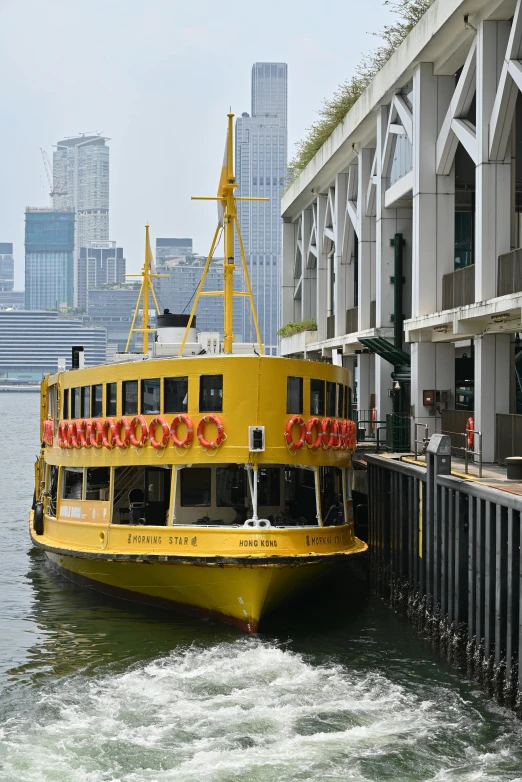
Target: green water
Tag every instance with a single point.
(96, 690)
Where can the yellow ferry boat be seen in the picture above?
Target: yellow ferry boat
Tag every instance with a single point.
(202, 475)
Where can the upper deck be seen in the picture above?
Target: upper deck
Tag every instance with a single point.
(241, 391)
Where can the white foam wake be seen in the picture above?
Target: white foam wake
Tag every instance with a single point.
(246, 710)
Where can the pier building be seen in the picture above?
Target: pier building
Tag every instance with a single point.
(402, 237)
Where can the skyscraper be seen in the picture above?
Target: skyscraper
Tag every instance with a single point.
(166, 249)
(81, 182)
(49, 258)
(261, 157)
(6, 266)
(101, 263)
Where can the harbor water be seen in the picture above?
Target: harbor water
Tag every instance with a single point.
(337, 688)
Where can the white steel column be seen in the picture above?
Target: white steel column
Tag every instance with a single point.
(322, 271)
(308, 279)
(366, 242)
(340, 264)
(433, 229)
(287, 297)
(493, 195)
(492, 384)
(432, 368)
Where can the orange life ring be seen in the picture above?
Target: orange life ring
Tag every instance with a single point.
(374, 418)
(345, 434)
(48, 432)
(311, 443)
(176, 421)
(211, 419)
(158, 421)
(352, 434)
(122, 423)
(62, 435)
(335, 432)
(108, 433)
(470, 437)
(140, 421)
(72, 435)
(96, 433)
(328, 436)
(83, 430)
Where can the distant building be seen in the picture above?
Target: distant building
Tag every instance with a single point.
(101, 263)
(177, 292)
(113, 309)
(32, 342)
(81, 182)
(167, 249)
(6, 266)
(49, 258)
(261, 157)
(12, 300)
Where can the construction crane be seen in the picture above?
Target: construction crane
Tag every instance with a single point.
(49, 172)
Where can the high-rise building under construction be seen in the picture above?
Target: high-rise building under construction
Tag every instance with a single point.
(81, 182)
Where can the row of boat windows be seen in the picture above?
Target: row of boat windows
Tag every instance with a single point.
(142, 397)
(326, 398)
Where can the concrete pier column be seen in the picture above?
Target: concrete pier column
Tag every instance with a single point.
(432, 368)
(492, 381)
(366, 281)
(288, 303)
(341, 267)
(322, 271)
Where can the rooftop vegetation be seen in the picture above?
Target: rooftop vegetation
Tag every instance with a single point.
(335, 109)
(296, 328)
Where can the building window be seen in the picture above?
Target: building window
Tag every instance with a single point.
(75, 403)
(72, 483)
(340, 401)
(129, 397)
(150, 396)
(110, 399)
(98, 483)
(96, 401)
(65, 404)
(175, 395)
(316, 397)
(330, 398)
(86, 401)
(294, 395)
(195, 487)
(211, 393)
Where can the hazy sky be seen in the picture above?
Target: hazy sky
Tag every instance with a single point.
(157, 78)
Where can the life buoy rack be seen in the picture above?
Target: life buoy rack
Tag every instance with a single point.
(211, 419)
(96, 433)
(122, 424)
(140, 421)
(165, 431)
(311, 443)
(470, 437)
(108, 433)
(295, 445)
(83, 431)
(187, 440)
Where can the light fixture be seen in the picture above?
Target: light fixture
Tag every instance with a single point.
(396, 386)
(441, 329)
(500, 318)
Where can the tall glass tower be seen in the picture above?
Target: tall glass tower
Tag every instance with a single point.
(261, 157)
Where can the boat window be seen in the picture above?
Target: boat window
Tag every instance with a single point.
(129, 397)
(231, 486)
(52, 488)
(294, 395)
(86, 402)
(72, 483)
(75, 403)
(96, 401)
(110, 399)
(330, 399)
(332, 511)
(211, 393)
(175, 395)
(98, 483)
(65, 404)
(52, 407)
(347, 402)
(150, 396)
(340, 401)
(316, 397)
(300, 504)
(268, 486)
(195, 487)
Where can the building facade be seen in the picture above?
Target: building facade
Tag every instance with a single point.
(101, 263)
(167, 249)
(261, 158)
(402, 237)
(81, 182)
(32, 342)
(49, 258)
(6, 266)
(112, 308)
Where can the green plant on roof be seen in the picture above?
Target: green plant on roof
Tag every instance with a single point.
(290, 329)
(335, 109)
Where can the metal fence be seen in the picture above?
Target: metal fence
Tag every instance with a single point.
(458, 288)
(509, 273)
(446, 552)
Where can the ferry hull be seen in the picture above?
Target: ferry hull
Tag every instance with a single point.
(238, 595)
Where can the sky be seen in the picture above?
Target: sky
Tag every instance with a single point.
(158, 78)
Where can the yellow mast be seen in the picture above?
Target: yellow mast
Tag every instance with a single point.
(228, 221)
(146, 275)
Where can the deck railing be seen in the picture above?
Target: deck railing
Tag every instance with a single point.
(458, 288)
